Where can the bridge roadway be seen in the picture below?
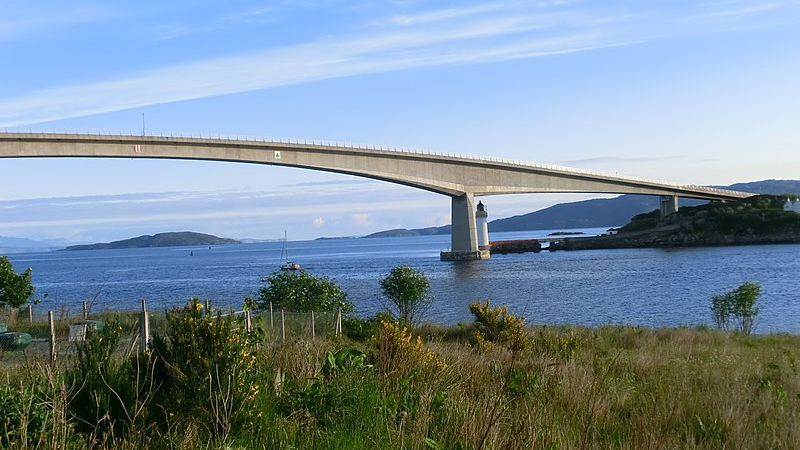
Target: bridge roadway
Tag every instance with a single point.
(459, 177)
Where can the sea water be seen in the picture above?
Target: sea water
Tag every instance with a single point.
(647, 287)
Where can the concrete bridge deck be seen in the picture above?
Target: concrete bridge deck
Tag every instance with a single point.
(460, 177)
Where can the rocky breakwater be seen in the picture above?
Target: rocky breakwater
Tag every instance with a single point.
(753, 221)
(515, 246)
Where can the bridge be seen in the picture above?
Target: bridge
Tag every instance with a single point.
(457, 176)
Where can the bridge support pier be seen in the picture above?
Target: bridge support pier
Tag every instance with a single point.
(464, 235)
(669, 205)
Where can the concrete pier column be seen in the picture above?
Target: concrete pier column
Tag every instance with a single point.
(464, 236)
(669, 205)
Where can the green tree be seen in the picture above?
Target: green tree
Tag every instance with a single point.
(409, 291)
(301, 292)
(15, 289)
(738, 304)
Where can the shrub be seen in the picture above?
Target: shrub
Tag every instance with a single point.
(409, 291)
(398, 353)
(737, 304)
(202, 366)
(362, 330)
(495, 325)
(559, 343)
(103, 390)
(300, 291)
(26, 418)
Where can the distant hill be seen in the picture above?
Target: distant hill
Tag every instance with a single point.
(175, 239)
(618, 211)
(772, 187)
(402, 232)
(21, 245)
(754, 220)
(611, 212)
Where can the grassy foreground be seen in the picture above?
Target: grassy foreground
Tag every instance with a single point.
(569, 388)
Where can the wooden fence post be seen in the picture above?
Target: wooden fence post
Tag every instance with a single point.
(52, 330)
(247, 322)
(30, 313)
(283, 327)
(145, 326)
(313, 332)
(85, 311)
(271, 324)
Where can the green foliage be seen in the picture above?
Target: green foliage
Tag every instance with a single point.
(362, 330)
(25, 416)
(643, 221)
(103, 389)
(15, 289)
(563, 344)
(756, 216)
(623, 387)
(398, 353)
(202, 368)
(339, 396)
(300, 291)
(738, 306)
(346, 359)
(495, 325)
(409, 291)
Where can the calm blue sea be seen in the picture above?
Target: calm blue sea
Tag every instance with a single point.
(647, 287)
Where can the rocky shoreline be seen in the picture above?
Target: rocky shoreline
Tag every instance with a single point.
(667, 241)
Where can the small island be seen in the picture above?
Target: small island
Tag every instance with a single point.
(173, 239)
(756, 220)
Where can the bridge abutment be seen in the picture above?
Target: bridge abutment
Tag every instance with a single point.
(463, 232)
(669, 205)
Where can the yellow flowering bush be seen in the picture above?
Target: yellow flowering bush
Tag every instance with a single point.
(496, 326)
(399, 353)
(203, 363)
(562, 344)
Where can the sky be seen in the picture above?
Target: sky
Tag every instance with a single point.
(693, 92)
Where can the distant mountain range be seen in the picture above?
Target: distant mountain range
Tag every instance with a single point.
(594, 213)
(175, 239)
(22, 245)
(611, 212)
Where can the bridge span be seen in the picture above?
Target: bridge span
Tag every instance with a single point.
(459, 177)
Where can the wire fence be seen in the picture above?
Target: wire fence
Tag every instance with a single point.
(52, 335)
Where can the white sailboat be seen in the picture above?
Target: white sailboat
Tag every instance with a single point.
(285, 263)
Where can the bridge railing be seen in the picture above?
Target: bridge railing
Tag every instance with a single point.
(361, 146)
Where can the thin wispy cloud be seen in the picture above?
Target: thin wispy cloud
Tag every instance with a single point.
(291, 65)
(447, 14)
(31, 23)
(622, 160)
(174, 31)
(251, 14)
(732, 11)
(473, 34)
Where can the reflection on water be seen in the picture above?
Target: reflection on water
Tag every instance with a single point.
(649, 287)
(467, 270)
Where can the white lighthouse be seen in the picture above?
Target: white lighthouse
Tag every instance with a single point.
(482, 227)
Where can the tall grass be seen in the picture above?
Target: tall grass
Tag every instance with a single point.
(570, 388)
